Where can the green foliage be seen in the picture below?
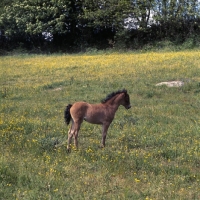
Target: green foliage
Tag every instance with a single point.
(80, 25)
(106, 13)
(34, 17)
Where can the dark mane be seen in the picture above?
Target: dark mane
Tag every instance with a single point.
(111, 95)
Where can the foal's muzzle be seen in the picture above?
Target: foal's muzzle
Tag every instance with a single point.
(128, 107)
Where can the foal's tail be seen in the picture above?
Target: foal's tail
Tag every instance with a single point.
(67, 114)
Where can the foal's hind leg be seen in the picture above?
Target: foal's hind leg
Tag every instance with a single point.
(77, 126)
(73, 132)
(70, 135)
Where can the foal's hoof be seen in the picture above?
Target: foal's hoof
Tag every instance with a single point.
(68, 150)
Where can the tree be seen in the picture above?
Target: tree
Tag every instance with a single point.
(5, 3)
(29, 19)
(106, 18)
(96, 23)
(142, 11)
(177, 17)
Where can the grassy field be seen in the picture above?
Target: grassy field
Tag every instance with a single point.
(152, 150)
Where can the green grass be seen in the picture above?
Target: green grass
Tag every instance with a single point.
(152, 150)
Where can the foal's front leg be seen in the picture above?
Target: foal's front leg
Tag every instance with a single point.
(104, 133)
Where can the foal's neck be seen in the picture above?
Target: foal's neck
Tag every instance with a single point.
(115, 101)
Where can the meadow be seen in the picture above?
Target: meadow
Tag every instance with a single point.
(152, 150)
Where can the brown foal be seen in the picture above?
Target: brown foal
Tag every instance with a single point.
(102, 113)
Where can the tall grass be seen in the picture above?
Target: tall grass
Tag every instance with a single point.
(152, 150)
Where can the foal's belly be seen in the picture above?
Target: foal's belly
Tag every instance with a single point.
(98, 116)
(93, 119)
(95, 115)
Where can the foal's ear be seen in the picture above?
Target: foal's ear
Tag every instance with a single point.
(125, 91)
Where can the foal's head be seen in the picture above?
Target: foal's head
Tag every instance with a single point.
(125, 99)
